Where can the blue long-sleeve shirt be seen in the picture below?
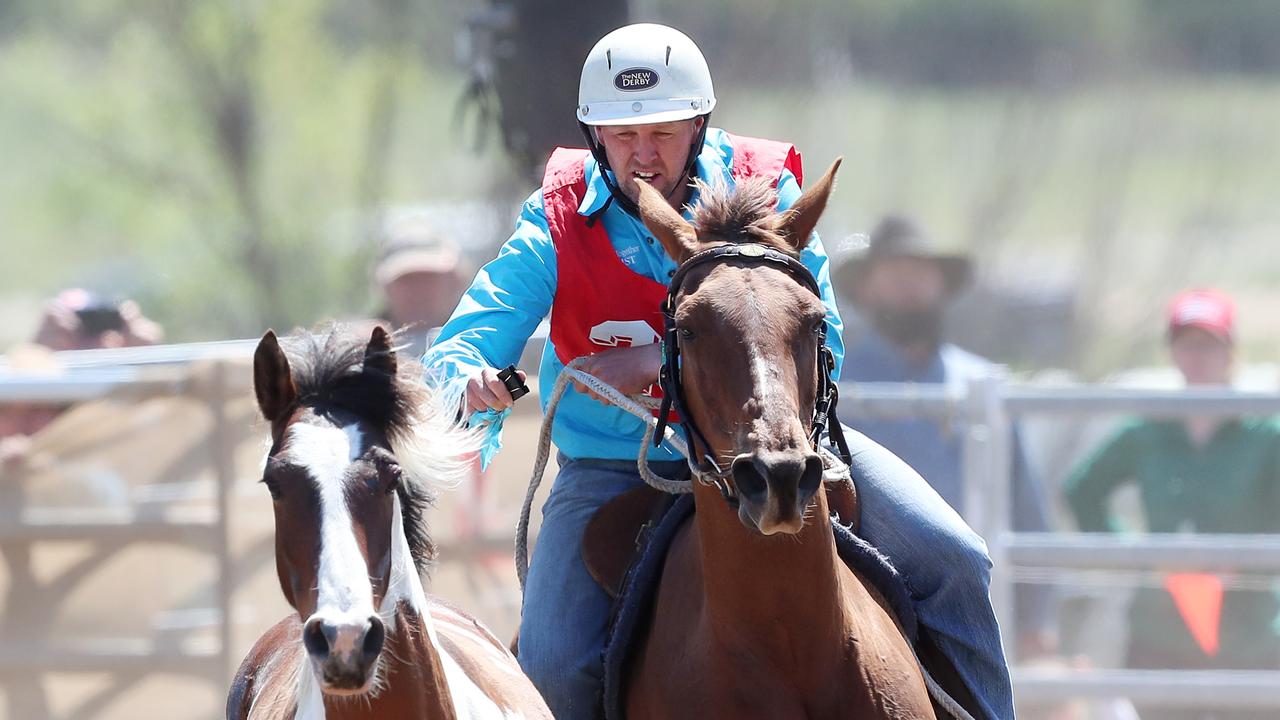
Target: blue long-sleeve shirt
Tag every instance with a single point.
(513, 293)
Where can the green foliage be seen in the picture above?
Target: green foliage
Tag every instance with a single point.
(220, 161)
(982, 42)
(1237, 36)
(1120, 194)
(217, 160)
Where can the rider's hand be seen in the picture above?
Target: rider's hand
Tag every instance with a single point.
(629, 369)
(486, 392)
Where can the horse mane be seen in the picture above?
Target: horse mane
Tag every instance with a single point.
(433, 450)
(747, 212)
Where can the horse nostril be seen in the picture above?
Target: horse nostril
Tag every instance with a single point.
(748, 480)
(373, 639)
(317, 637)
(811, 476)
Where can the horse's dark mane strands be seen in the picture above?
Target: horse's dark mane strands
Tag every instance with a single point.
(328, 368)
(748, 212)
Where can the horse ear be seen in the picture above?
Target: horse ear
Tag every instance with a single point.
(378, 354)
(803, 216)
(677, 236)
(272, 381)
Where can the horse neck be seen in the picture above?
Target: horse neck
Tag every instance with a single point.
(786, 587)
(413, 679)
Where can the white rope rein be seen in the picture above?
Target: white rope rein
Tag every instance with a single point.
(638, 405)
(641, 407)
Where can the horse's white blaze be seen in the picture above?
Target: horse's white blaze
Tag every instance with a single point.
(344, 594)
(764, 373)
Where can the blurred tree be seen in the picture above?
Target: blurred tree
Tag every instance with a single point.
(207, 149)
(526, 56)
(221, 160)
(1236, 36)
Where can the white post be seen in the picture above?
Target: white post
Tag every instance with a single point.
(989, 493)
(223, 446)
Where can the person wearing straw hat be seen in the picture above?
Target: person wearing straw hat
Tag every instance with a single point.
(902, 285)
(581, 255)
(420, 276)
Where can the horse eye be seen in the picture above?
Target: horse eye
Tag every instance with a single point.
(686, 333)
(819, 327)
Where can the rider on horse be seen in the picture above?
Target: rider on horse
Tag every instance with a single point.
(581, 254)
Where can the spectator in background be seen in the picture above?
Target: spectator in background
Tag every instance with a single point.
(421, 275)
(74, 320)
(1198, 474)
(902, 287)
(78, 319)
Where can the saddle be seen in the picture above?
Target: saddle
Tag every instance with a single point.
(616, 533)
(624, 543)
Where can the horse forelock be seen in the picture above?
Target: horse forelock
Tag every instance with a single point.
(745, 212)
(329, 372)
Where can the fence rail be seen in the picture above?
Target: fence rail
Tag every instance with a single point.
(1236, 689)
(984, 409)
(191, 514)
(1256, 553)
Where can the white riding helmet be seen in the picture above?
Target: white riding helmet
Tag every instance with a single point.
(644, 73)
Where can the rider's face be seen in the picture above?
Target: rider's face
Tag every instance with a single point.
(656, 153)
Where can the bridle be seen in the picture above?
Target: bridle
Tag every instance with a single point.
(824, 410)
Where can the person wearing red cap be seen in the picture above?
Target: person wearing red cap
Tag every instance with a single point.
(1197, 474)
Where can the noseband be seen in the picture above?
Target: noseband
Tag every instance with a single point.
(824, 409)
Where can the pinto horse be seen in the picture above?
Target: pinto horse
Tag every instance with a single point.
(756, 616)
(357, 450)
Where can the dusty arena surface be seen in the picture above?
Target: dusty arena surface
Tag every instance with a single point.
(157, 599)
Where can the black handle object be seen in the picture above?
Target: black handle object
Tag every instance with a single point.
(514, 384)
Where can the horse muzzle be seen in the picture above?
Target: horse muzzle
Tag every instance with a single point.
(344, 652)
(774, 488)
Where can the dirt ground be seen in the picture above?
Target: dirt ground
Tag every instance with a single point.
(159, 597)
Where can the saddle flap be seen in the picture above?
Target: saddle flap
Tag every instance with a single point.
(612, 536)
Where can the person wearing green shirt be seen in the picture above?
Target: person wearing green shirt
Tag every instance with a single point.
(1199, 475)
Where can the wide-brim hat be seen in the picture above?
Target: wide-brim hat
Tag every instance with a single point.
(413, 245)
(900, 236)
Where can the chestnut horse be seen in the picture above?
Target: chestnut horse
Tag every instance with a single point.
(756, 616)
(357, 449)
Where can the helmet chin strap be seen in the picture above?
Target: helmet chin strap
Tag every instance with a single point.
(602, 159)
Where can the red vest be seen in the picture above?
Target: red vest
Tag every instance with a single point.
(601, 303)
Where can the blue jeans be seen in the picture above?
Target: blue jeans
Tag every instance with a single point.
(562, 628)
